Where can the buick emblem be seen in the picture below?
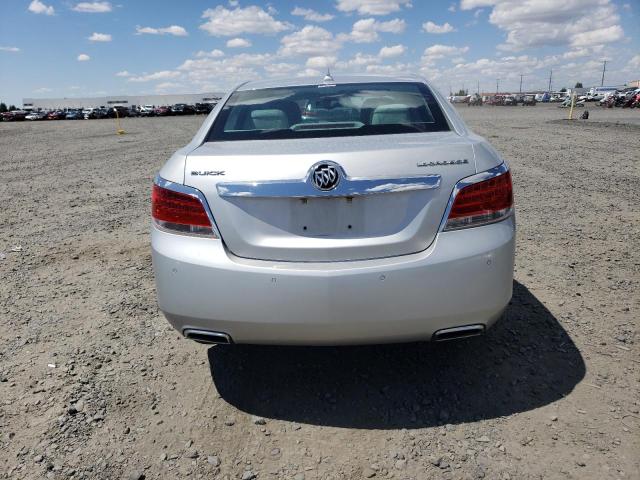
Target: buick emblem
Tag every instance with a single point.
(325, 176)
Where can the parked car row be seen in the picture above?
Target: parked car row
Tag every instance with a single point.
(510, 100)
(627, 98)
(476, 99)
(107, 112)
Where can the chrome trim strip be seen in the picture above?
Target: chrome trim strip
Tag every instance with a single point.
(456, 333)
(207, 336)
(465, 182)
(346, 187)
(194, 192)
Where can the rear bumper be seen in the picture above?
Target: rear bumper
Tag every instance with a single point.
(464, 277)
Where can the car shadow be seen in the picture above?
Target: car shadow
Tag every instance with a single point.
(525, 361)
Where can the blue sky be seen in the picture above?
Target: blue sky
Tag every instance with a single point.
(66, 48)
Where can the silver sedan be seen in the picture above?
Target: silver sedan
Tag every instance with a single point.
(342, 210)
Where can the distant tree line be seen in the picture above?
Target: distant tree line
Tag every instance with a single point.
(3, 107)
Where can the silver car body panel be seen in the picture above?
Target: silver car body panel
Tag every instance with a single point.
(367, 261)
(334, 228)
(464, 277)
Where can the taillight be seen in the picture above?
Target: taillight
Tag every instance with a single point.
(179, 212)
(487, 201)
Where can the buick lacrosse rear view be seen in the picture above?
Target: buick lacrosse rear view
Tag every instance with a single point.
(339, 211)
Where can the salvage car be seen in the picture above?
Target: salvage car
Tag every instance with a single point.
(74, 114)
(273, 226)
(56, 115)
(36, 116)
(14, 115)
(162, 111)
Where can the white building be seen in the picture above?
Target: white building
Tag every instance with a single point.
(119, 100)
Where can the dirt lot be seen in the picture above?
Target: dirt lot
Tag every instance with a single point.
(95, 384)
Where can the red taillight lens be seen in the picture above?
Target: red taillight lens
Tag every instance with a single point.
(179, 212)
(481, 203)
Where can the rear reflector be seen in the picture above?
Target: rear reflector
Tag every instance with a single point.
(484, 202)
(179, 212)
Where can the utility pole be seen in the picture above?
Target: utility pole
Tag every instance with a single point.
(497, 85)
(604, 69)
(550, 74)
(478, 87)
(521, 75)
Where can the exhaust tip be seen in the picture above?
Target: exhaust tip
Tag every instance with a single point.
(207, 337)
(455, 333)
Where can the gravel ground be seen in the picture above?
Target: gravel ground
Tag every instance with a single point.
(95, 384)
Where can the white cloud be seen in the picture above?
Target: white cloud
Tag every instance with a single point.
(238, 43)
(100, 37)
(581, 52)
(452, 8)
(431, 27)
(393, 51)
(537, 23)
(321, 62)
(83, 57)
(215, 53)
(228, 70)
(311, 40)
(599, 36)
(175, 30)
(123, 73)
(311, 15)
(9, 49)
(150, 77)
(281, 68)
(93, 7)
(372, 7)
(36, 6)
(393, 69)
(471, 4)
(309, 72)
(165, 87)
(367, 29)
(223, 22)
(42, 90)
(435, 52)
(635, 62)
(358, 62)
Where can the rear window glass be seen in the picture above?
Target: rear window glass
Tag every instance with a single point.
(328, 111)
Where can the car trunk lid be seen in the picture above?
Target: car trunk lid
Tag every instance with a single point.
(390, 198)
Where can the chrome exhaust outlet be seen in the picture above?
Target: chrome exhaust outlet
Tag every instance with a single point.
(205, 336)
(455, 333)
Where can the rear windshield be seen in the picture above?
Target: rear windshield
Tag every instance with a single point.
(313, 111)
